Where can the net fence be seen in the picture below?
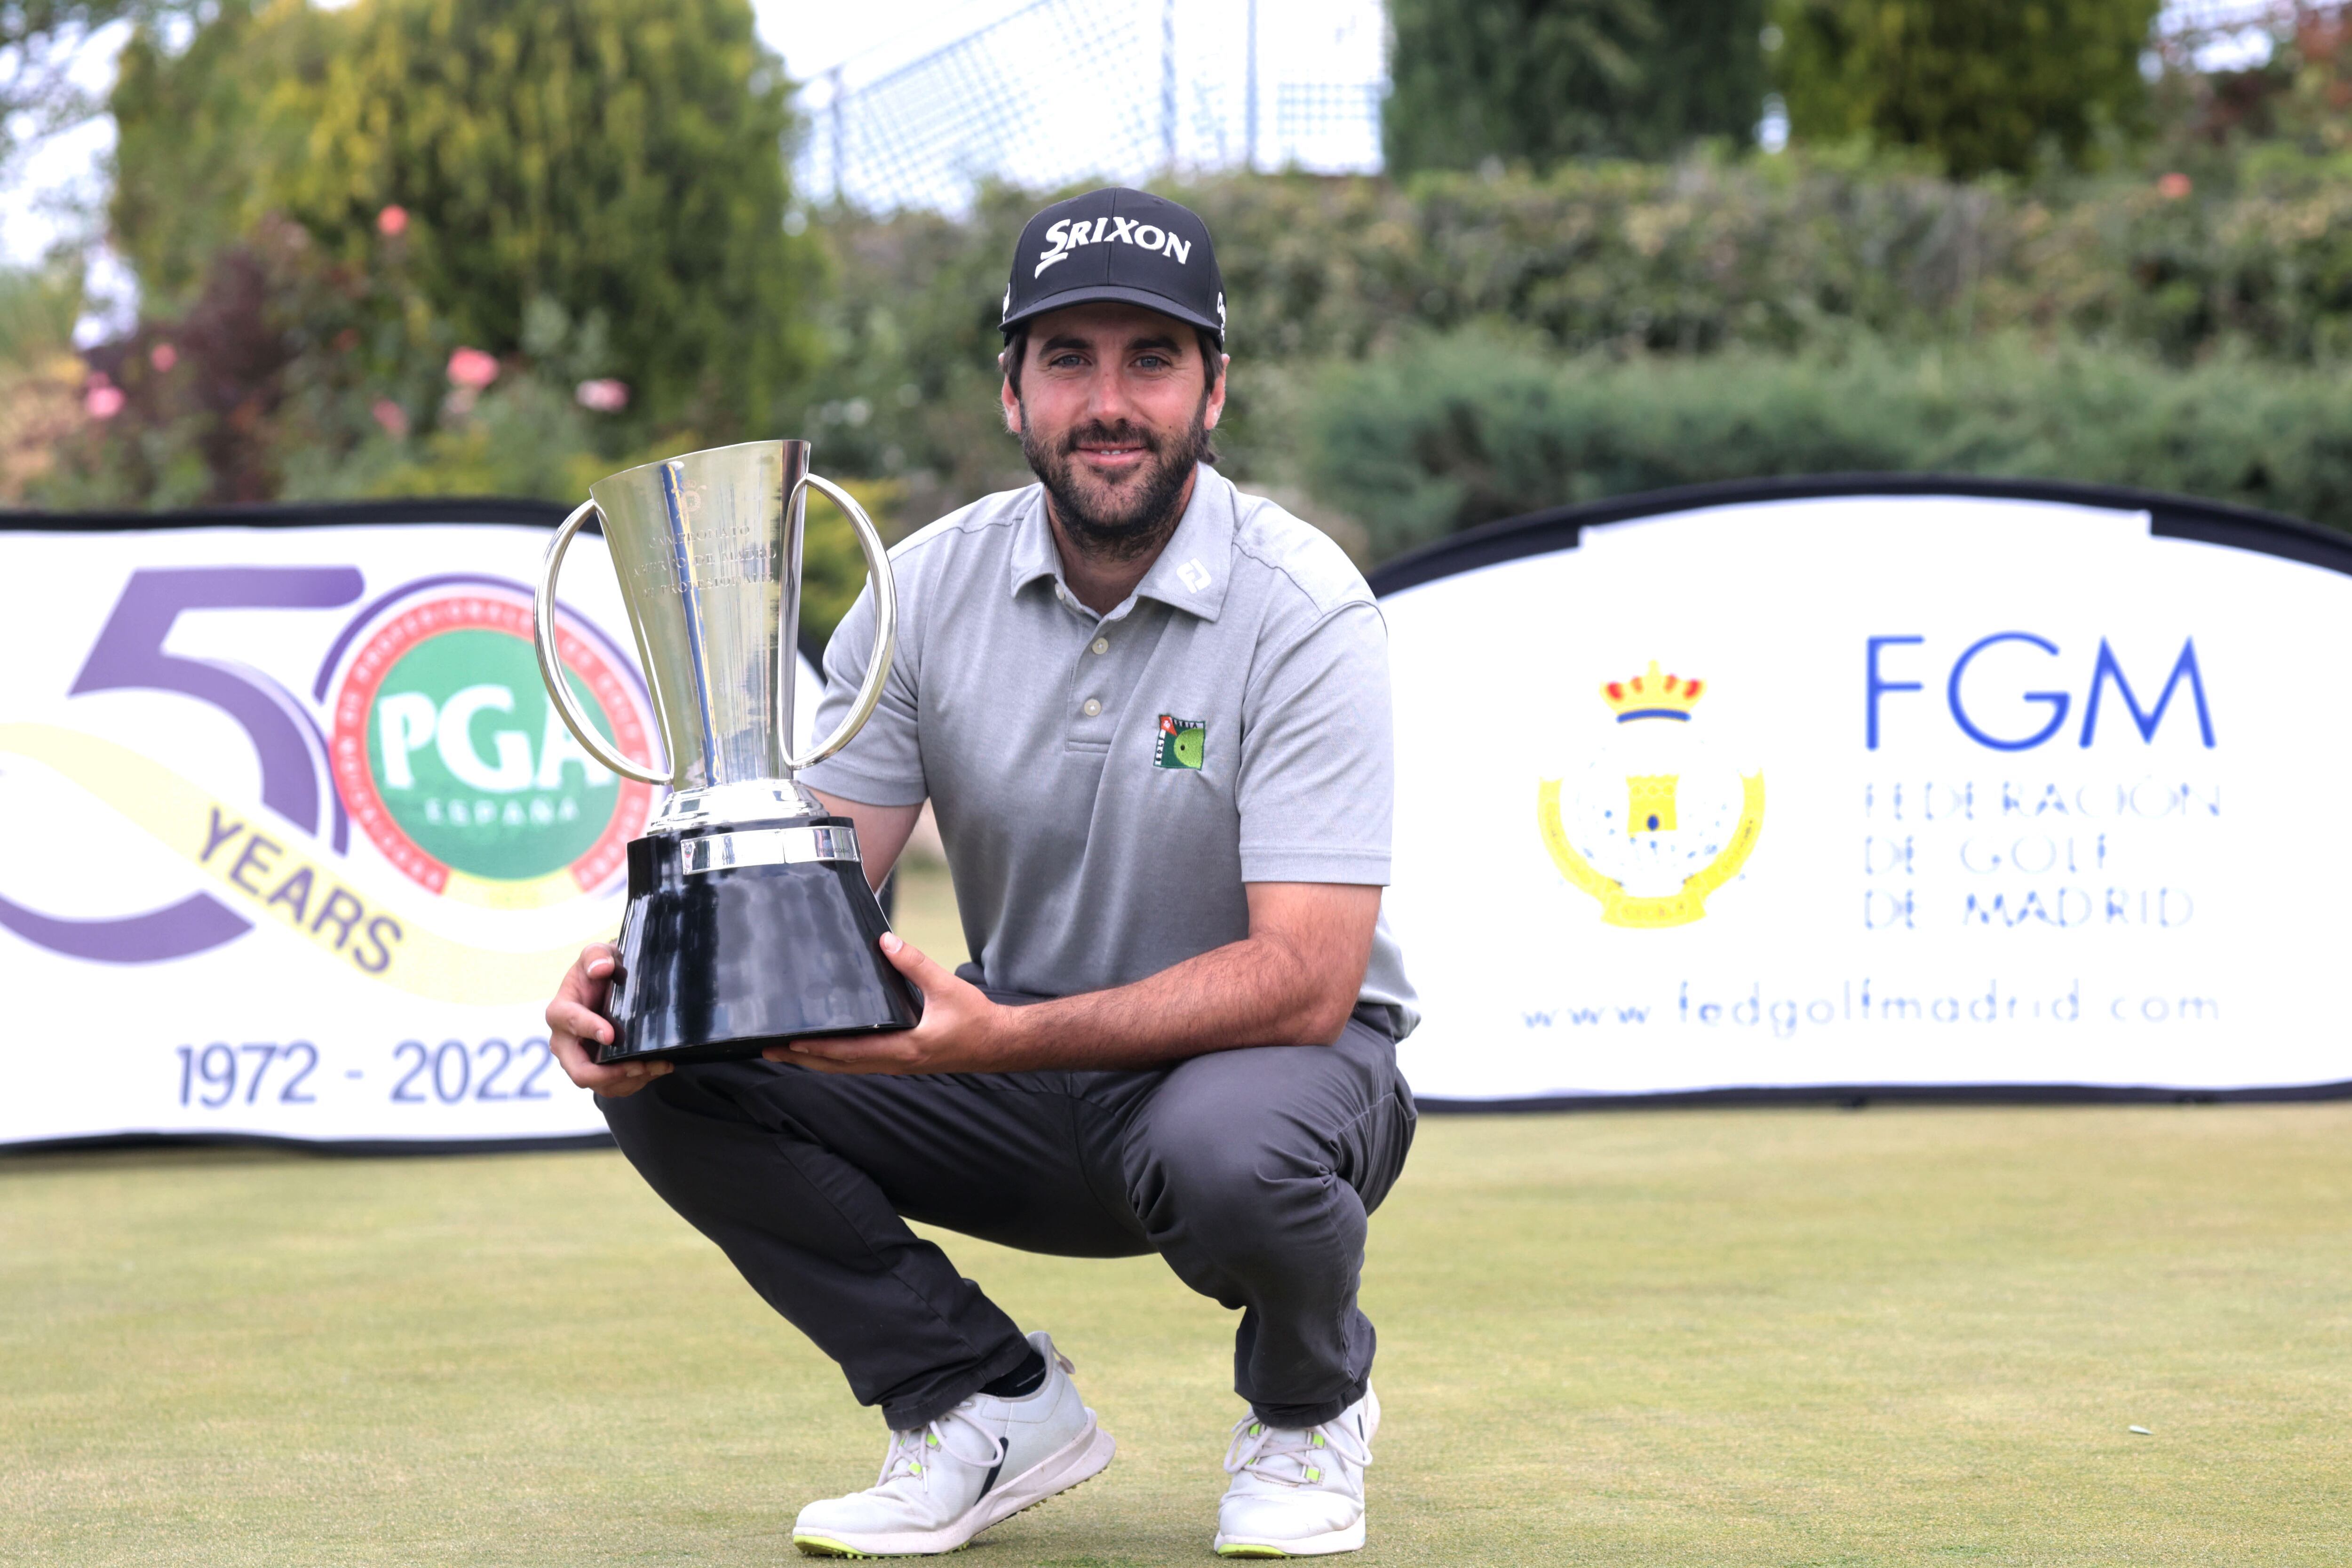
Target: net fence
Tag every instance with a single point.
(1042, 93)
(1049, 92)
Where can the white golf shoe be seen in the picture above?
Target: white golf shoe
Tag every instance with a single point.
(1298, 1493)
(981, 1463)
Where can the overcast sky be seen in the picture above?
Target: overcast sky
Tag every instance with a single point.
(814, 38)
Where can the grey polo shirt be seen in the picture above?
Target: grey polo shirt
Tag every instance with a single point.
(1105, 784)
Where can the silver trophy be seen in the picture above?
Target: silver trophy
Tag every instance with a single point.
(749, 919)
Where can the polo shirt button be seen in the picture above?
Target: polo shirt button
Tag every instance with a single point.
(1092, 708)
(1102, 645)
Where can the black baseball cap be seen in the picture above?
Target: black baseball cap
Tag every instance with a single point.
(1118, 244)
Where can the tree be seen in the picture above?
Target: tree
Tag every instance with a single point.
(1982, 86)
(41, 42)
(621, 159)
(201, 136)
(2301, 94)
(1536, 82)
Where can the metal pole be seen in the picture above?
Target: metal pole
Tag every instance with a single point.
(1168, 84)
(835, 109)
(1249, 135)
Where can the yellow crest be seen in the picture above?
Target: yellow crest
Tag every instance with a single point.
(1648, 774)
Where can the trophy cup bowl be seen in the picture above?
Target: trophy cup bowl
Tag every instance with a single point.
(748, 919)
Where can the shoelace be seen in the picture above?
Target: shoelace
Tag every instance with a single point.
(1257, 1447)
(909, 1452)
(907, 1449)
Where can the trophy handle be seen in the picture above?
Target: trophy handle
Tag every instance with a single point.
(551, 668)
(885, 629)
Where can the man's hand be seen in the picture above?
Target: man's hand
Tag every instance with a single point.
(1292, 981)
(573, 1021)
(960, 1032)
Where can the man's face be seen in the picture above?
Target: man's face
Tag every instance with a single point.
(1113, 414)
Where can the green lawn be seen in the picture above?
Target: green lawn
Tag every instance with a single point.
(1739, 1337)
(1794, 1337)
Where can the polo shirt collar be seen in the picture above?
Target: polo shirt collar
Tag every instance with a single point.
(1033, 555)
(1192, 569)
(1193, 566)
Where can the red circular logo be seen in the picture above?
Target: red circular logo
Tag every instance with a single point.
(450, 755)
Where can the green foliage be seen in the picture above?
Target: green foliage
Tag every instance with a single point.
(1790, 254)
(288, 375)
(619, 158)
(39, 375)
(833, 569)
(198, 422)
(1536, 81)
(1463, 429)
(910, 341)
(525, 438)
(1983, 85)
(38, 307)
(200, 134)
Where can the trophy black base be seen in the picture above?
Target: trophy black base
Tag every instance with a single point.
(716, 965)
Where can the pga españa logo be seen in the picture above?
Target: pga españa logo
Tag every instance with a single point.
(422, 732)
(454, 762)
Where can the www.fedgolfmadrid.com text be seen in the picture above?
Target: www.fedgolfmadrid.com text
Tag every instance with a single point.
(1858, 1002)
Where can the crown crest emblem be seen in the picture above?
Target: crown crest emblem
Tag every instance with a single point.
(1653, 695)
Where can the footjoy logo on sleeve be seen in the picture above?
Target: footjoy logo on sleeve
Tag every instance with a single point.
(1067, 237)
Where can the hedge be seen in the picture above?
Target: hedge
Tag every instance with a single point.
(1459, 429)
(1810, 256)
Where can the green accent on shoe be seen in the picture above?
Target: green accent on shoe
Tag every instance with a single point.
(1251, 1549)
(819, 1546)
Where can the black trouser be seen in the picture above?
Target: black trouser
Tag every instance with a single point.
(1251, 1172)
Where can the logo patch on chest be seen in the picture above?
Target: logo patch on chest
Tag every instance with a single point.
(1180, 743)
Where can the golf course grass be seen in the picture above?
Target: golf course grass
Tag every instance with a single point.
(1736, 1337)
(1739, 1337)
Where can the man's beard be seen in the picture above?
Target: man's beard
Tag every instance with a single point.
(1138, 514)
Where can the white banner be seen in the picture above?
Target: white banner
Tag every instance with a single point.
(294, 844)
(1926, 790)
(1873, 791)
